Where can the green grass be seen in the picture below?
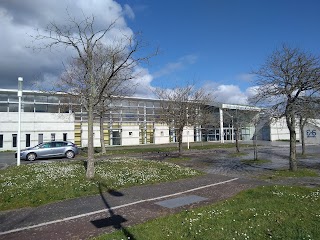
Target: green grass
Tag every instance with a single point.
(280, 174)
(118, 150)
(263, 213)
(37, 184)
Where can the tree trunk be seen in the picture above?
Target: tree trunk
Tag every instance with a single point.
(180, 131)
(90, 163)
(303, 144)
(255, 144)
(237, 140)
(291, 122)
(103, 146)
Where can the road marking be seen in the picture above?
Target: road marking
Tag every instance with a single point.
(116, 207)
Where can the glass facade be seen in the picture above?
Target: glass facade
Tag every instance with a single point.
(142, 113)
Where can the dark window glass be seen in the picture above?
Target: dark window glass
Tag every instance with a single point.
(3, 107)
(27, 140)
(28, 107)
(41, 108)
(3, 97)
(1, 141)
(13, 97)
(65, 136)
(14, 140)
(46, 145)
(53, 108)
(28, 98)
(13, 107)
(40, 98)
(53, 136)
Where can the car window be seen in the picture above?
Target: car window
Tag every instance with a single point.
(46, 145)
(60, 144)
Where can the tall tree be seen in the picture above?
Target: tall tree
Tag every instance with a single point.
(181, 107)
(287, 74)
(90, 75)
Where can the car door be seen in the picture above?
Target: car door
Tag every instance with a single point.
(58, 149)
(45, 150)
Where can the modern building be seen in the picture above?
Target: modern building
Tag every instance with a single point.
(130, 121)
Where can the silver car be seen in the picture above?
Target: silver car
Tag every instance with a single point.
(50, 150)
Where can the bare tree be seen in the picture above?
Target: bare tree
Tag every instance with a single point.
(181, 107)
(287, 74)
(90, 75)
(240, 119)
(306, 113)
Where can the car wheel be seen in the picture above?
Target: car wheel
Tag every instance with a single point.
(31, 156)
(70, 154)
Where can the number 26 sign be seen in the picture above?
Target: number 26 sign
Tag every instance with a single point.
(311, 133)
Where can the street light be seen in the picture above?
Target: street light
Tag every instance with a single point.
(20, 82)
(188, 144)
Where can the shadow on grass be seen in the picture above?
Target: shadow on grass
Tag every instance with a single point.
(114, 220)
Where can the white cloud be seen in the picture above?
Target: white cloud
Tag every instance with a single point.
(128, 11)
(20, 19)
(171, 67)
(142, 84)
(227, 93)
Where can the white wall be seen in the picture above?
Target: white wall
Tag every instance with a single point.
(34, 124)
(280, 131)
(130, 135)
(312, 132)
(84, 135)
(161, 134)
(185, 134)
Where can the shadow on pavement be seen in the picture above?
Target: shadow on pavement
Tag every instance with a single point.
(114, 220)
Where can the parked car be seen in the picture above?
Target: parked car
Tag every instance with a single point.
(49, 150)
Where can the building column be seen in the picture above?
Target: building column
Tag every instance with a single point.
(221, 125)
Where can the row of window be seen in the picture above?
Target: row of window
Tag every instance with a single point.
(28, 139)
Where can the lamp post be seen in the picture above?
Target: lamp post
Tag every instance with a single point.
(188, 144)
(20, 82)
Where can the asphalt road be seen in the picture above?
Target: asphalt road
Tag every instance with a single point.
(8, 159)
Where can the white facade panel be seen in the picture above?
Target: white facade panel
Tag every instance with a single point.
(130, 135)
(188, 134)
(312, 132)
(161, 134)
(280, 131)
(84, 135)
(35, 124)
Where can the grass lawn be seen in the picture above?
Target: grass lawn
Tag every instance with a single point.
(280, 174)
(273, 212)
(116, 150)
(37, 184)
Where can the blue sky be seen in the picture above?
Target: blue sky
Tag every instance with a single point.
(221, 42)
(214, 43)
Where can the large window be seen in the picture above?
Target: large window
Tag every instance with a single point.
(53, 136)
(27, 140)
(13, 107)
(41, 108)
(14, 140)
(3, 97)
(40, 138)
(3, 107)
(1, 141)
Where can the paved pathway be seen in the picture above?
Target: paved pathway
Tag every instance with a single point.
(86, 217)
